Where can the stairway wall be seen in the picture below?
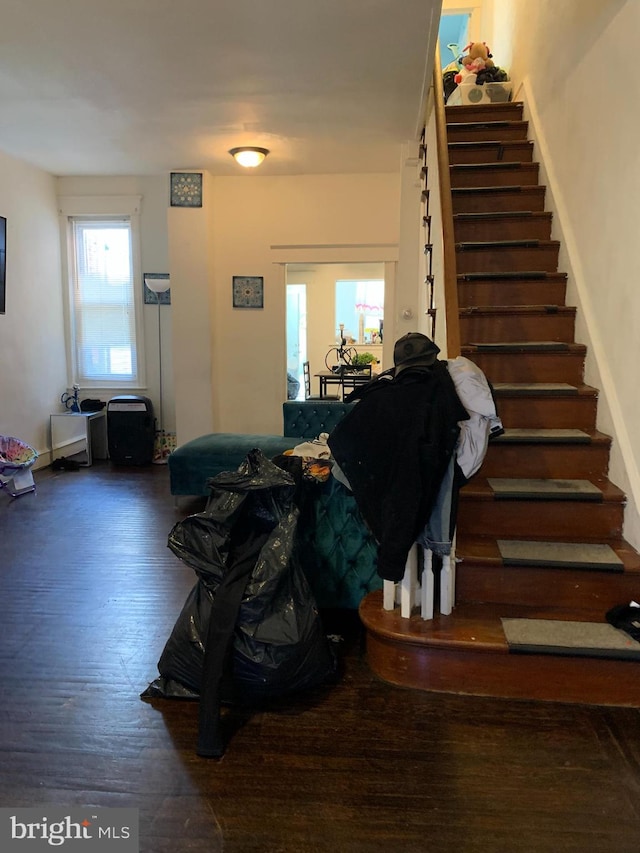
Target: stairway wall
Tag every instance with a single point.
(551, 52)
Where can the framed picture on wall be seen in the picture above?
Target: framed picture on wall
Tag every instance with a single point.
(248, 291)
(3, 263)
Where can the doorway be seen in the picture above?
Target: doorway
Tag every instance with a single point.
(296, 339)
(315, 310)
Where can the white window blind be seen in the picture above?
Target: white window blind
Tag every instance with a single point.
(103, 300)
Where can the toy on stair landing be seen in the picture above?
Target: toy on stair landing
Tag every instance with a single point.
(477, 58)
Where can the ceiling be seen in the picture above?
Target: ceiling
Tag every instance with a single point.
(141, 87)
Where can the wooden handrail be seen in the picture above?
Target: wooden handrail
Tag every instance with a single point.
(448, 239)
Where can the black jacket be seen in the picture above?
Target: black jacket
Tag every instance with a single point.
(394, 448)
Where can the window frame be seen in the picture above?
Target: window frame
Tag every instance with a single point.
(100, 208)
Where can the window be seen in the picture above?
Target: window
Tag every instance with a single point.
(105, 343)
(360, 308)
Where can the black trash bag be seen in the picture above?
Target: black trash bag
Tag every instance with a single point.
(250, 628)
(626, 617)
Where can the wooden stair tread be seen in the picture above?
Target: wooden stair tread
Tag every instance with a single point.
(485, 551)
(492, 245)
(467, 653)
(480, 489)
(578, 555)
(517, 275)
(543, 389)
(532, 488)
(471, 347)
(518, 309)
(503, 215)
(499, 188)
(550, 436)
(475, 624)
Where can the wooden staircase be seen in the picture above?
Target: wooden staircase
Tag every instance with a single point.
(543, 492)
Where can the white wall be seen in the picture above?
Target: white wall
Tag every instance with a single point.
(32, 351)
(256, 224)
(573, 64)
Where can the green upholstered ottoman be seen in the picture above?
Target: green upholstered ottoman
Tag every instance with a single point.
(193, 463)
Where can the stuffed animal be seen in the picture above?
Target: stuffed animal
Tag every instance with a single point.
(477, 58)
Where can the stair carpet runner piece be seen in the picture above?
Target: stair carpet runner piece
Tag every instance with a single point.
(540, 554)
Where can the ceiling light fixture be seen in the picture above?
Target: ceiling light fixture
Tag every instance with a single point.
(248, 156)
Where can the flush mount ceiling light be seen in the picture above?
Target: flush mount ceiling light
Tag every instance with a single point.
(248, 156)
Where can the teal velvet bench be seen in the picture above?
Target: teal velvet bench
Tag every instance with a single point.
(336, 549)
(193, 463)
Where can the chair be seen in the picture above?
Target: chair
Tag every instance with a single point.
(16, 459)
(306, 373)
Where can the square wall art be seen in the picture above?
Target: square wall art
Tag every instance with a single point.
(248, 291)
(186, 189)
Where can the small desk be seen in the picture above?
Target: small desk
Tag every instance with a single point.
(79, 435)
(347, 380)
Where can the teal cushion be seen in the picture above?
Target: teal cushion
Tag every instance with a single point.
(193, 463)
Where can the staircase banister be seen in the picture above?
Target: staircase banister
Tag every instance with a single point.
(450, 283)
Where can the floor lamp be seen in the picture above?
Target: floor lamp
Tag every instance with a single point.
(159, 285)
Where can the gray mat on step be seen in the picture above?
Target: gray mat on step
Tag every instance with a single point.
(562, 555)
(533, 389)
(531, 489)
(555, 637)
(544, 436)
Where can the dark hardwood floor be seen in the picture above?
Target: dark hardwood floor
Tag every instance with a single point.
(90, 593)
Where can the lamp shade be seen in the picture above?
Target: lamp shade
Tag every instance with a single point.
(250, 157)
(158, 283)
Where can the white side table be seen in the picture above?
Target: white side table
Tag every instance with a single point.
(79, 435)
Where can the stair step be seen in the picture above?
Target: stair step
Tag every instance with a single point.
(482, 575)
(507, 256)
(497, 131)
(543, 436)
(518, 346)
(510, 111)
(502, 225)
(566, 555)
(495, 199)
(561, 453)
(532, 323)
(494, 174)
(515, 488)
(535, 389)
(467, 653)
(483, 290)
(569, 513)
(548, 409)
(520, 150)
(517, 362)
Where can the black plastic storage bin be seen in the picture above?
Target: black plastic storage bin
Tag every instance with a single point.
(130, 430)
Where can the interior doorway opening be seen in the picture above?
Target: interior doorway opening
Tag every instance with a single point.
(321, 297)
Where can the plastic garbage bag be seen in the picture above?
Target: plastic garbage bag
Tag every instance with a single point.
(243, 550)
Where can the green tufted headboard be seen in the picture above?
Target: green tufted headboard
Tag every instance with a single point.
(308, 418)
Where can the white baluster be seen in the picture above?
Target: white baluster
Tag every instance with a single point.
(426, 604)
